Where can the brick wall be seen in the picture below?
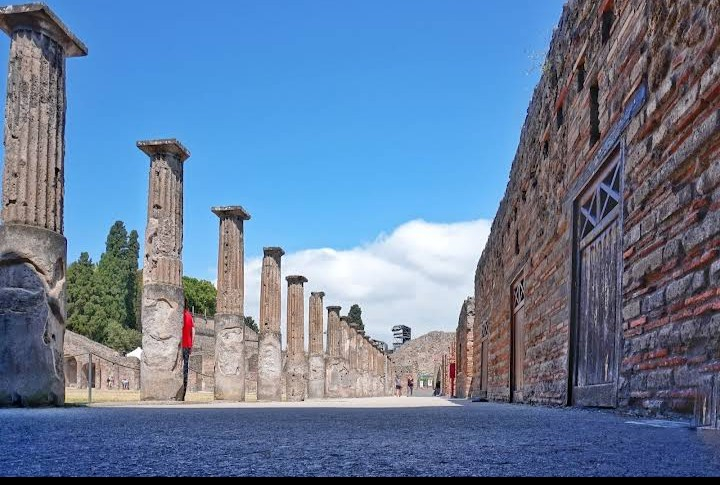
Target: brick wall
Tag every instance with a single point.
(635, 81)
(464, 352)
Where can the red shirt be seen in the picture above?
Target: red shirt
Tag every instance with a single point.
(187, 336)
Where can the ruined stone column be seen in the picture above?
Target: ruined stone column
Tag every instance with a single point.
(161, 376)
(33, 250)
(296, 371)
(316, 359)
(270, 364)
(229, 322)
(333, 331)
(333, 363)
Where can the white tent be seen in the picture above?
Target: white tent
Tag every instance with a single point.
(137, 353)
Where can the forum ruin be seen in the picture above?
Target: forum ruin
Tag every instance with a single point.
(33, 255)
(599, 285)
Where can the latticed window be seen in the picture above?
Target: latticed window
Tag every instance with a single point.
(485, 329)
(605, 198)
(519, 294)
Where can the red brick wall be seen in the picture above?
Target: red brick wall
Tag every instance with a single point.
(658, 78)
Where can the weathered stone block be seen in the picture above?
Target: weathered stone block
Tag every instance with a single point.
(296, 374)
(715, 273)
(655, 300)
(161, 365)
(679, 288)
(316, 380)
(229, 358)
(631, 310)
(32, 316)
(269, 367)
(710, 178)
(659, 379)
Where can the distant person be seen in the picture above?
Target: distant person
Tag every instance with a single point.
(398, 387)
(188, 335)
(410, 385)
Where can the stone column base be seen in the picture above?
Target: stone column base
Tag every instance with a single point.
(296, 379)
(32, 316)
(229, 358)
(269, 387)
(316, 381)
(161, 367)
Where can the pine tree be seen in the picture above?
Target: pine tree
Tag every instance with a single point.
(131, 301)
(250, 322)
(111, 278)
(80, 275)
(355, 316)
(102, 298)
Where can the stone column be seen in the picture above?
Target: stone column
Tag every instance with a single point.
(333, 364)
(333, 331)
(296, 372)
(345, 338)
(229, 322)
(161, 368)
(33, 250)
(270, 364)
(316, 359)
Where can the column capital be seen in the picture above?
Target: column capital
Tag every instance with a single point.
(295, 280)
(231, 211)
(334, 309)
(39, 18)
(274, 252)
(158, 147)
(318, 294)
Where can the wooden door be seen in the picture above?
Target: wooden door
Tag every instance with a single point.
(484, 341)
(517, 372)
(598, 257)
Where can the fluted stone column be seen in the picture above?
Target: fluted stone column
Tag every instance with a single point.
(333, 331)
(162, 296)
(296, 371)
(270, 363)
(333, 363)
(229, 322)
(359, 365)
(33, 250)
(348, 355)
(316, 359)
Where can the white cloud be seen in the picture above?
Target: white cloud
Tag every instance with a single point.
(418, 275)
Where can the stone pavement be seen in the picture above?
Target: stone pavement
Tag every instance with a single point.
(365, 437)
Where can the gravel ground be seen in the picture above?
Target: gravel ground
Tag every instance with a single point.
(380, 437)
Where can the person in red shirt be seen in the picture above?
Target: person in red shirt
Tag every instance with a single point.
(188, 335)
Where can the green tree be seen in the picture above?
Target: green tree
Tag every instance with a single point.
(138, 299)
(131, 301)
(80, 292)
(121, 338)
(102, 298)
(355, 316)
(111, 297)
(250, 322)
(201, 295)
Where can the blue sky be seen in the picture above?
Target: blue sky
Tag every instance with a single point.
(336, 124)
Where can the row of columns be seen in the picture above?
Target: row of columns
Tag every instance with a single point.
(33, 256)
